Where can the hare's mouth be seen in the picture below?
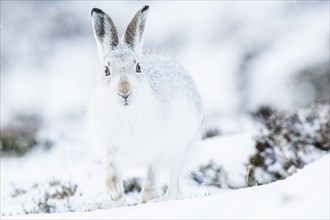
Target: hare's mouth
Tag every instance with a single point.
(125, 97)
(124, 102)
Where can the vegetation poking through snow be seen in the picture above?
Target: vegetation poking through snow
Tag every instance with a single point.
(211, 174)
(133, 185)
(65, 190)
(212, 132)
(288, 141)
(21, 136)
(52, 196)
(17, 192)
(58, 196)
(43, 204)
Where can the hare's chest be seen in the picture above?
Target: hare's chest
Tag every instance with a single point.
(136, 136)
(135, 129)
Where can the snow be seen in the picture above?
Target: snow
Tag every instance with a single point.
(305, 195)
(232, 152)
(73, 162)
(48, 66)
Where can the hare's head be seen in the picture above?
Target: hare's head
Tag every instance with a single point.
(121, 66)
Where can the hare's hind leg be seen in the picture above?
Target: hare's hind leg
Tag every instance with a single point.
(173, 188)
(149, 189)
(114, 182)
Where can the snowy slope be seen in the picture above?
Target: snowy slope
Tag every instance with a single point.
(304, 195)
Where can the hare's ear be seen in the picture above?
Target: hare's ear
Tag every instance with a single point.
(105, 32)
(135, 29)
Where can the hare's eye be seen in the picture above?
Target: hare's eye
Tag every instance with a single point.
(138, 68)
(107, 71)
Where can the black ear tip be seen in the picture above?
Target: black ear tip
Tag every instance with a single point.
(96, 10)
(146, 7)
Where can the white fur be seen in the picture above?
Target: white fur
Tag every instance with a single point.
(161, 121)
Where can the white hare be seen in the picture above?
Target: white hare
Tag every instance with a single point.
(145, 109)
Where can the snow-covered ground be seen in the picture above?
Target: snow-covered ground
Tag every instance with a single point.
(75, 164)
(240, 54)
(305, 195)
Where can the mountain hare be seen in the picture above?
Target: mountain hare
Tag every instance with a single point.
(145, 109)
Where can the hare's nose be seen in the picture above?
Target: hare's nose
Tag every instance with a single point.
(125, 95)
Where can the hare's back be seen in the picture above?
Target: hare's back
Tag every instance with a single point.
(170, 80)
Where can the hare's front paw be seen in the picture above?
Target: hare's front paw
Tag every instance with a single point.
(117, 196)
(115, 190)
(118, 200)
(116, 193)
